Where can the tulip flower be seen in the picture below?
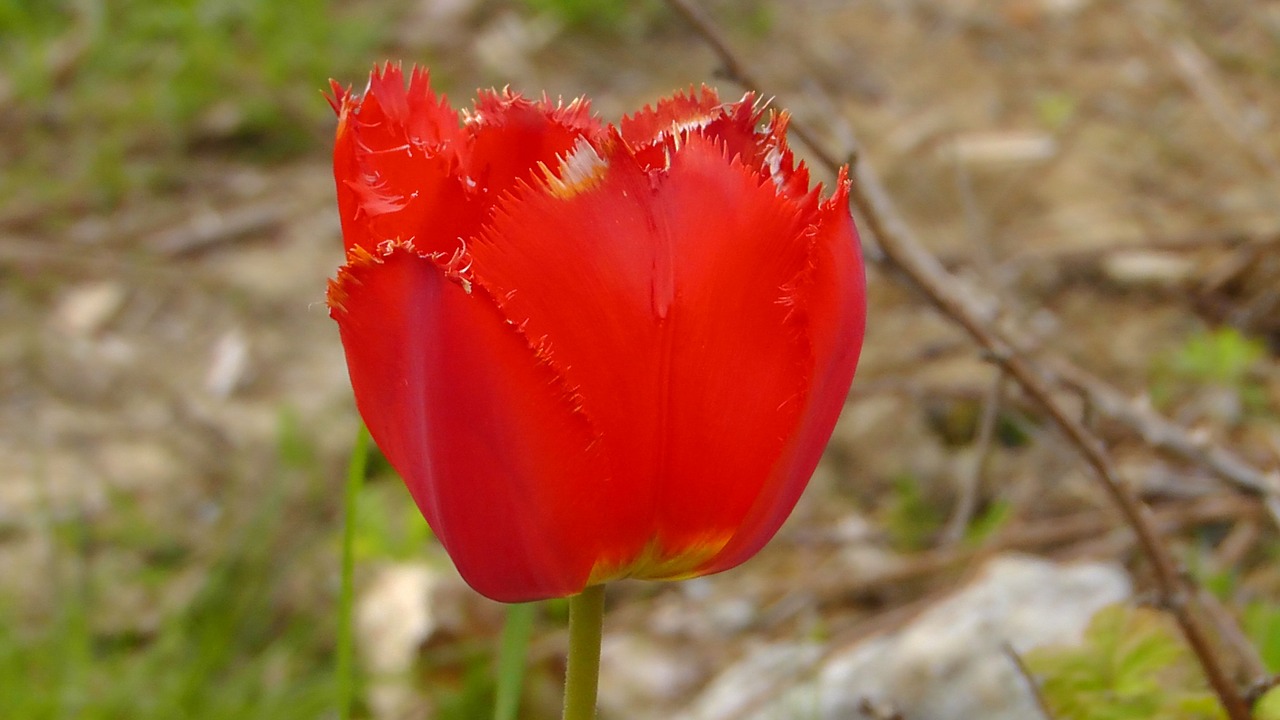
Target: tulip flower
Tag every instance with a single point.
(592, 351)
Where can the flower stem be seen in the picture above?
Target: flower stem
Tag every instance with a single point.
(586, 624)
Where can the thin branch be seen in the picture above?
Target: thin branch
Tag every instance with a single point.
(213, 227)
(1030, 679)
(1047, 534)
(1254, 667)
(951, 296)
(1170, 437)
(972, 472)
(1186, 243)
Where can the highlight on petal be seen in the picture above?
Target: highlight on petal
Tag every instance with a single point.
(512, 136)
(578, 171)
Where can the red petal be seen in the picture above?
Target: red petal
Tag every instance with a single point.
(777, 162)
(663, 301)
(687, 109)
(484, 434)
(654, 134)
(396, 160)
(512, 135)
(336, 96)
(829, 302)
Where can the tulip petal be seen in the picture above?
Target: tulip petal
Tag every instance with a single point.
(513, 135)
(663, 300)
(829, 302)
(396, 161)
(485, 436)
(778, 162)
(654, 133)
(686, 109)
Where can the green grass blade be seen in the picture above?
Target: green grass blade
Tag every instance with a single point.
(512, 659)
(75, 637)
(346, 601)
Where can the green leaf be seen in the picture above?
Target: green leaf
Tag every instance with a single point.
(1131, 665)
(1262, 624)
(1268, 706)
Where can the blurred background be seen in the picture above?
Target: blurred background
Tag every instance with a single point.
(175, 417)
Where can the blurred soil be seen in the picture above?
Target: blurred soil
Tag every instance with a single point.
(1110, 171)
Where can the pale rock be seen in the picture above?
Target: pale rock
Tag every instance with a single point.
(854, 529)
(1148, 268)
(1003, 148)
(642, 677)
(718, 615)
(950, 663)
(84, 310)
(870, 559)
(1064, 8)
(763, 674)
(402, 609)
(229, 365)
(393, 619)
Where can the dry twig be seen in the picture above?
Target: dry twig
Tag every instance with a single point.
(1039, 536)
(971, 473)
(1032, 685)
(1229, 630)
(1160, 433)
(212, 227)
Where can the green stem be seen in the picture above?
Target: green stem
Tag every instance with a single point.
(586, 625)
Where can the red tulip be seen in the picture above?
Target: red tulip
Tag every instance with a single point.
(592, 351)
